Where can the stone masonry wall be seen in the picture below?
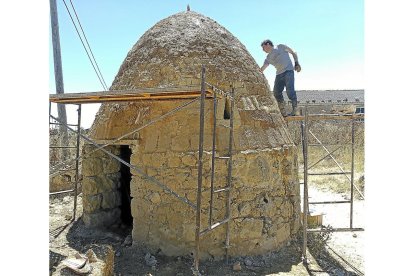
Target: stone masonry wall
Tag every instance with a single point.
(265, 203)
(265, 199)
(100, 187)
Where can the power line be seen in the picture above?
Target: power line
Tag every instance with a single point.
(99, 75)
(87, 42)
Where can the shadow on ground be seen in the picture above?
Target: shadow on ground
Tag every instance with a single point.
(130, 260)
(325, 259)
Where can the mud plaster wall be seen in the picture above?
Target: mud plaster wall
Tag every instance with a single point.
(265, 200)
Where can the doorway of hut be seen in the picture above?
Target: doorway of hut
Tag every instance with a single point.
(125, 186)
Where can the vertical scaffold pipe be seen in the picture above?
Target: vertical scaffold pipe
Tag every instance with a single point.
(229, 175)
(200, 170)
(305, 130)
(213, 157)
(77, 162)
(351, 212)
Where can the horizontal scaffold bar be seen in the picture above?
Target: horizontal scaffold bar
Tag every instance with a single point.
(128, 95)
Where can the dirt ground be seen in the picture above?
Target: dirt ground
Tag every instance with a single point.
(343, 254)
(344, 251)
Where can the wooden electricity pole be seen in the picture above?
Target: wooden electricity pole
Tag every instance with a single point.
(58, 71)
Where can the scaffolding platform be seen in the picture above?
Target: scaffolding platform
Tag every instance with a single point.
(188, 92)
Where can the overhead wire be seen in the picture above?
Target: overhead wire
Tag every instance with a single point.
(99, 75)
(87, 42)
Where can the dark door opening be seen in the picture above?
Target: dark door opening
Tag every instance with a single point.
(125, 189)
(226, 114)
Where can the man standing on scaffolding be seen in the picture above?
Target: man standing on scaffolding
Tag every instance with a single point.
(279, 57)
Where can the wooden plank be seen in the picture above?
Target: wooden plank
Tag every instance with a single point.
(94, 97)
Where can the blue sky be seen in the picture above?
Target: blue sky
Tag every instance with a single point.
(327, 35)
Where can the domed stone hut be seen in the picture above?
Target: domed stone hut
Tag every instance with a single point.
(265, 197)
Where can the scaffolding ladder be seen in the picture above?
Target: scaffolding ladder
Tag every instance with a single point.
(215, 157)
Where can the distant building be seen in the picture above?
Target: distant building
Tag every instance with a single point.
(331, 101)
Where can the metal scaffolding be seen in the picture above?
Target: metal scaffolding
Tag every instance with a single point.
(305, 131)
(206, 90)
(60, 168)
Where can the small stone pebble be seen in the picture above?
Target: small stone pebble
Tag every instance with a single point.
(91, 256)
(248, 262)
(118, 253)
(127, 241)
(237, 266)
(354, 235)
(150, 260)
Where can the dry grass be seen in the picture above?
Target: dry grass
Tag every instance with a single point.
(332, 134)
(335, 183)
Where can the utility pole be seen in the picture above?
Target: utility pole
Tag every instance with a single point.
(58, 71)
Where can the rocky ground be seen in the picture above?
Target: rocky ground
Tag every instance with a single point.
(343, 254)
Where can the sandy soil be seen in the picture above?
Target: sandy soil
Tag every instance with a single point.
(68, 237)
(344, 252)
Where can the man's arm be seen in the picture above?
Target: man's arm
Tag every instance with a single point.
(295, 58)
(264, 67)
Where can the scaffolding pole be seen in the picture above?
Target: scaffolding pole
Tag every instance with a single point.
(352, 175)
(304, 128)
(200, 172)
(305, 143)
(77, 162)
(229, 176)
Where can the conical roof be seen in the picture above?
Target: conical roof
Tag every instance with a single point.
(172, 51)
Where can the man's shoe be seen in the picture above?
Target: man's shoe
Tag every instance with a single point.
(282, 108)
(295, 112)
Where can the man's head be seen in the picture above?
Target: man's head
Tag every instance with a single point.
(267, 45)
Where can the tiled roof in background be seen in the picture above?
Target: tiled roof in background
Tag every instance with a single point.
(328, 96)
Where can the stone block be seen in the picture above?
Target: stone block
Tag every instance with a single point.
(189, 160)
(136, 158)
(249, 228)
(286, 209)
(92, 166)
(283, 233)
(103, 218)
(180, 144)
(90, 185)
(245, 209)
(174, 162)
(150, 143)
(164, 143)
(152, 172)
(111, 165)
(111, 199)
(98, 184)
(155, 198)
(91, 203)
(61, 182)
